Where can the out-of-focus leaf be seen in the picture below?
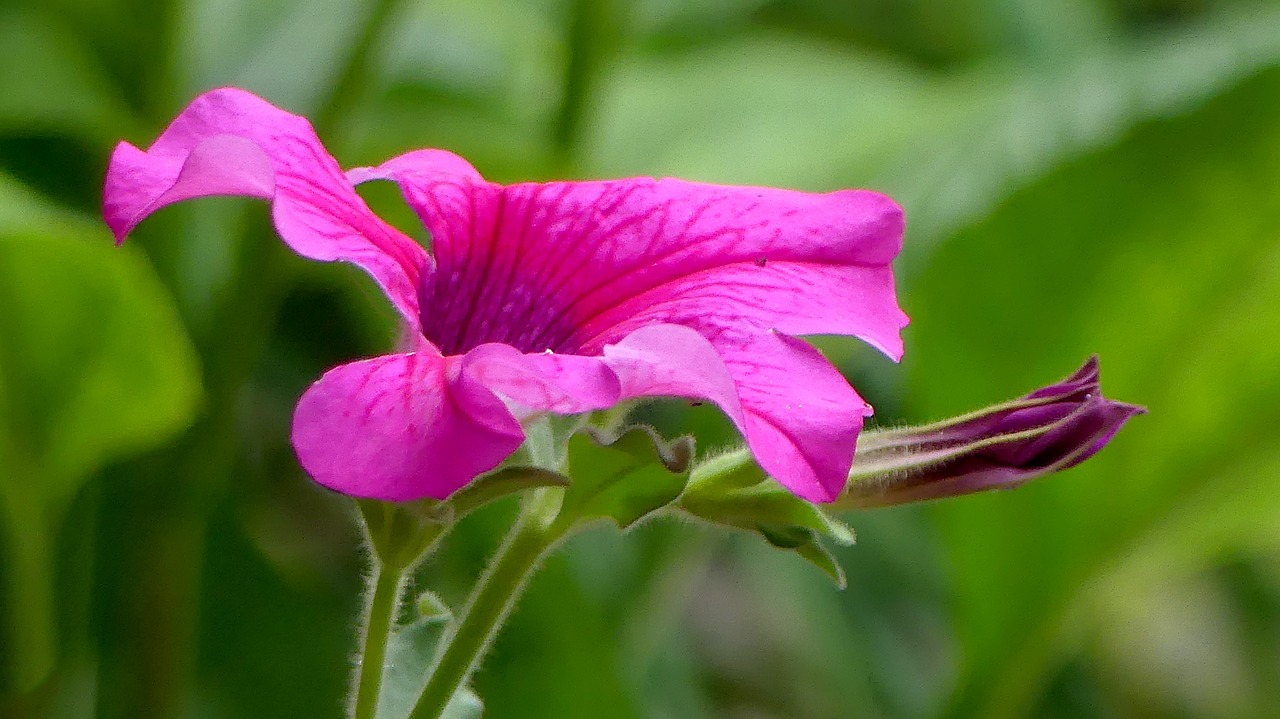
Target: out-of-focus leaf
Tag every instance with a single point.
(94, 364)
(625, 478)
(245, 43)
(52, 84)
(96, 361)
(481, 78)
(1035, 120)
(1162, 255)
(730, 113)
(409, 653)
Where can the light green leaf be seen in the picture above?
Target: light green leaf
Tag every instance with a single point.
(95, 359)
(808, 545)
(732, 490)
(94, 365)
(60, 87)
(503, 483)
(626, 478)
(1162, 255)
(410, 651)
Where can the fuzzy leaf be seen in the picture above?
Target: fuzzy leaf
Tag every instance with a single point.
(625, 478)
(409, 654)
(503, 483)
(733, 491)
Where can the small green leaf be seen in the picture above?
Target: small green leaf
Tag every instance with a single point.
(626, 478)
(410, 651)
(817, 554)
(503, 483)
(719, 492)
(732, 490)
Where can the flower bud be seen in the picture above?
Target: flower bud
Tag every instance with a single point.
(999, 447)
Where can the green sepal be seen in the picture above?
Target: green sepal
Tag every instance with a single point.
(502, 483)
(400, 533)
(626, 477)
(411, 647)
(732, 490)
(808, 545)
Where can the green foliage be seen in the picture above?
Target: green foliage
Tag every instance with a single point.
(732, 490)
(411, 649)
(86, 396)
(1166, 266)
(94, 365)
(503, 483)
(50, 55)
(624, 478)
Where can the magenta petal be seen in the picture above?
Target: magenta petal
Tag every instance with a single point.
(798, 414)
(230, 142)
(798, 299)
(803, 418)
(561, 384)
(673, 361)
(401, 427)
(604, 258)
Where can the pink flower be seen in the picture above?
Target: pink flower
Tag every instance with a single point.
(563, 297)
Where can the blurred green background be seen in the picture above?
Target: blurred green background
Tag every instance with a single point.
(1078, 175)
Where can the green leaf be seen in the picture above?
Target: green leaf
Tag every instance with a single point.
(1163, 256)
(808, 545)
(61, 87)
(503, 483)
(410, 651)
(94, 365)
(732, 490)
(92, 351)
(625, 478)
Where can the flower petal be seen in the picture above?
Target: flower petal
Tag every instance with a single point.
(561, 384)
(401, 427)
(798, 414)
(230, 142)
(790, 297)
(603, 258)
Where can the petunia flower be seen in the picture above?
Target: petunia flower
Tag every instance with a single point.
(562, 297)
(1000, 447)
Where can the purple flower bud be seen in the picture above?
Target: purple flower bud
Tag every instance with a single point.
(999, 447)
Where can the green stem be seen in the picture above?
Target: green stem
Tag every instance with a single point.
(487, 609)
(379, 620)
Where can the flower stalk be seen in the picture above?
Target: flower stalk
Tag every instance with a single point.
(399, 537)
(388, 585)
(535, 532)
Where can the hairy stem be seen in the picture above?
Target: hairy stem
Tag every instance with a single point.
(388, 584)
(486, 610)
